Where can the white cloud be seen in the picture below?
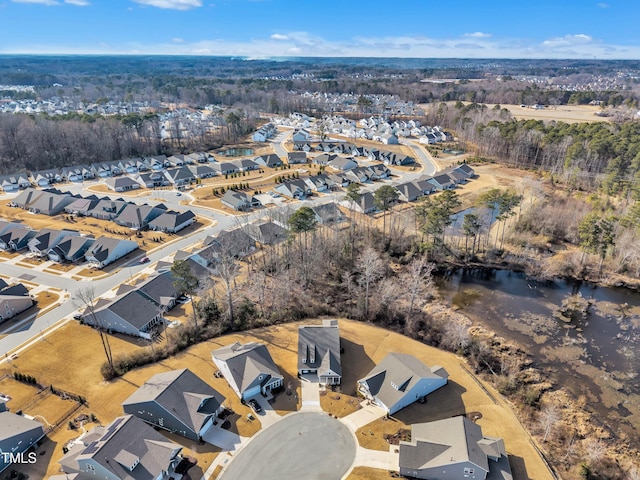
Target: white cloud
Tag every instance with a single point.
(78, 3)
(279, 36)
(603, 5)
(567, 40)
(177, 40)
(171, 4)
(478, 35)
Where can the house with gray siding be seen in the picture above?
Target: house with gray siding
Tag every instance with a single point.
(138, 216)
(125, 449)
(130, 313)
(400, 380)
(47, 238)
(172, 221)
(16, 237)
(14, 299)
(178, 401)
(17, 435)
(319, 351)
(121, 184)
(71, 249)
(249, 369)
(106, 250)
(453, 449)
(14, 182)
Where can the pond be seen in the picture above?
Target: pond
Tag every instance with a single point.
(596, 357)
(236, 152)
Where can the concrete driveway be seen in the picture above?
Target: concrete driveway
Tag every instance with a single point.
(305, 445)
(310, 387)
(224, 439)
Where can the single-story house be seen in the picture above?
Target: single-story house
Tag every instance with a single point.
(71, 249)
(239, 200)
(107, 209)
(160, 289)
(270, 160)
(16, 237)
(26, 198)
(366, 203)
(225, 168)
(248, 368)
(202, 171)
(14, 299)
(178, 401)
(47, 238)
(77, 173)
(442, 182)
(319, 183)
(453, 449)
(400, 380)
(342, 163)
(180, 176)
(296, 188)
(152, 179)
(237, 243)
(121, 184)
(44, 178)
(106, 250)
(131, 313)
(50, 203)
(296, 157)
(138, 216)
(328, 214)
(125, 449)
(267, 232)
(408, 191)
(172, 221)
(425, 186)
(17, 435)
(14, 182)
(245, 165)
(319, 351)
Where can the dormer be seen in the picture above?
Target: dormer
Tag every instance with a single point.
(127, 459)
(401, 386)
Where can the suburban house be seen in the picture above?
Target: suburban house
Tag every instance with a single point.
(466, 170)
(126, 449)
(366, 203)
(16, 237)
(44, 178)
(267, 232)
(160, 290)
(202, 171)
(71, 249)
(121, 184)
(270, 160)
(50, 202)
(107, 209)
(47, 238)
(319, 351)
(14, 182)
(14, 299)
(300, 135)
(425, 186)
(172, 221)
(225, 168)
(17, 435)
(82, 206)
(177, 401)
(400, 380)
(340, 179)
(239, 201)
(443, 182)
(359, 175)
(295, 188)
(342, 163)
(453, 449)
(131, 313)
(138, 216)
(77, 173)
(264, 133)
(245, 165)
(408, 191)
(319, 183)
(296, 157)
(328, 214)
(237, 243)
(152, 180)
(106, 250)
(26, 198)
(180, 176)
(248, 368)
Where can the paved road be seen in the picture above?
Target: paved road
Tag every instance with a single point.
(308, 445)
(30, 330)
(429, 167)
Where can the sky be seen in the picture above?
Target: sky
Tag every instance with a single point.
(326, 28)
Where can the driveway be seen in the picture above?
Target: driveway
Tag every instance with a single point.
(268, 415)
(363, 416)
(224, 439)
(305, 445)
(310, 393)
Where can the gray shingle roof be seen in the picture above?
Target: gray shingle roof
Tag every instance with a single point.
(182, 394)
(319, 348)
(13, 425)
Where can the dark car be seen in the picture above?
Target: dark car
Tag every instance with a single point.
(255, 406)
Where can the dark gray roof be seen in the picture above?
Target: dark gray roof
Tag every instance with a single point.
(182, 394)
(328, 213)
(102, 246)
(73, 245)
(319, 348)
(133, 307)
(171, 219)
(268, 233)
(16, 290)
(121, 182)
(126, 438)
(159, 288)
(139, 215)
(247, 362)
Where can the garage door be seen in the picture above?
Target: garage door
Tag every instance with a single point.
(252, 392)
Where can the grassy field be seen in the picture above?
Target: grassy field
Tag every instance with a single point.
(78, 371)
(367, 473)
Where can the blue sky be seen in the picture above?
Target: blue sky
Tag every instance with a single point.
(373, 28)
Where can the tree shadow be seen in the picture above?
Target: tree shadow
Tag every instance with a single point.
(356, 364)
(445, 402)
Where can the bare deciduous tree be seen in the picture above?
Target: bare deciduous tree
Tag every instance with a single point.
(371, 267)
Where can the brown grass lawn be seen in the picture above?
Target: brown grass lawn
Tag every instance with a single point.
(45, 299)
(60, 267)
(78, 371)
(367, 473)
(52, 408)
(20, 393)
(337, 404)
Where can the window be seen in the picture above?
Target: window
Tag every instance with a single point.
(91, 467)
(469, 471)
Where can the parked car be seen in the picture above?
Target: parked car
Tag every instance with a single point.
(255, 406)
